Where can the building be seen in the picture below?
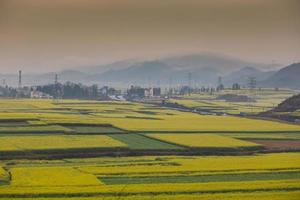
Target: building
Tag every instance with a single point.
(135, 92)
(152, 92)
(39, 95)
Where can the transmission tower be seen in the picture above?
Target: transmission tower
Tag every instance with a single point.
(252, 82)
(190, 82)
(56, 87)
(20, 79)
(219, 80)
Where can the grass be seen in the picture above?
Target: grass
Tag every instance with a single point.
(137, 141)
(44, 142)
(203, 140)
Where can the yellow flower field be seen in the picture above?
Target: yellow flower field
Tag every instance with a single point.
(244, 175)
(79, 177)
(203, 140)
(34, 142)
(207, 164)
(51, 176)
(170, 188)
(132, 116)
(2, 173)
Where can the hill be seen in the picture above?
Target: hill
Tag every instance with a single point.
(288, 110)
(287, 77)
(241, 76)
(204, 68)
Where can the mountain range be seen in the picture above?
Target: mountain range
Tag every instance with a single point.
(201, 70)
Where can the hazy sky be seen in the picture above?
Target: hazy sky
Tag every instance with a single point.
(48, 35)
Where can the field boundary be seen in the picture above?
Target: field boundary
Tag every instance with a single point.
(124, 194)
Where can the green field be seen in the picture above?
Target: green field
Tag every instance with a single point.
(138, 141)
(83, 129)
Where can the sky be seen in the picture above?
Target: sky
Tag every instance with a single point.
(51, 35)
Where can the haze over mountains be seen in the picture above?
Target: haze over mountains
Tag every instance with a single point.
(204, 70)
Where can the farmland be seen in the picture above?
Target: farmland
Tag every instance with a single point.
(133, 177)
(32, 142)
(203, 140)
(264, 99)
(79, 149)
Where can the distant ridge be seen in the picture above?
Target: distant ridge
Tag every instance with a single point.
(241, 76)
(204, 69)
(287, 77)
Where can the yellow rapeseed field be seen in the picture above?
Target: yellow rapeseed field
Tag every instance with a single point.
(203, 140)
(2, 173)
(51, 176)
(207, 164)
(168, 188)
(132, 116)
(182, 121)
(33, 142)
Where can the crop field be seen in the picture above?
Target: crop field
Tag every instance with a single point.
(163, 177)
(123, 115)
(79, 149)
(269, 136)
(203, 140)
(138, 141)
(265, 99)
(94, 129)
(39, 142)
